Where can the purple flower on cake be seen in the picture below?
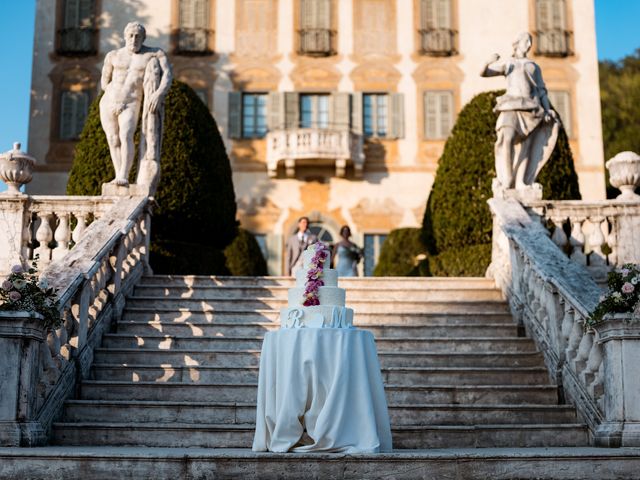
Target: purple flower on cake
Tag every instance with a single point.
(315, 274)
(627, 287)
(14, 296)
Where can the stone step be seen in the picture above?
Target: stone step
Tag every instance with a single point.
(354, 293)
(182, 315)
(245, 392)
(359, 306)
(244, 413)
(241, 436)
(240, 358)
(396, 375)
(551, 463)
(233, 329)
(196, 344)
(376, 282)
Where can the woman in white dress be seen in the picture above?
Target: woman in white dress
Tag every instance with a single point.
(346, 254)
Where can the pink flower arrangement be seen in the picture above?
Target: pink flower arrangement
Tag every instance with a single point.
(315, 274)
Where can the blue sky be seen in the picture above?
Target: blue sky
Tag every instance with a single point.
(616, 23)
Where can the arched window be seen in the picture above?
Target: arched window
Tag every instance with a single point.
(77, 33)
(193, 33)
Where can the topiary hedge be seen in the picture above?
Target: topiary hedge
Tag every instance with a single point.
(400, 254)
(196, 207)
(457, 215)
(244, 257)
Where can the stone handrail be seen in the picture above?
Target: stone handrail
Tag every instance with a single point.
(551, 296)
(293, 145)
(93, 279)
(598, 235)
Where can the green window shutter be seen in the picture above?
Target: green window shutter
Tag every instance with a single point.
(446, 113)
(561, 103)
(81, 111)
(340, 110)
(85, 13)
(187, 14)
(428, 14)
(396, 124)
(275, 111)
(323, 14)
(444, 14)
(235, 115)
(557, 14)
(71, 13)
(201, 14)
(438, 114)
(430, 115)
(307, 14)
(356, 112)
(543, 15)
(291, 110)
(66, 116)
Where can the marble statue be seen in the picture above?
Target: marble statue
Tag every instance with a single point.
(527, 127)
(135, 76)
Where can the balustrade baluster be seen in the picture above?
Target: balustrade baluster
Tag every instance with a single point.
(559, 237)
(80, 227)
(44, 235)
(612, 241)
(596, 239)
(582, 355)
(577, 242)
(62, 237)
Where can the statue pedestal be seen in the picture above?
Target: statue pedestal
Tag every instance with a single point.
(133, 190)
(525, 194)
(21, 336)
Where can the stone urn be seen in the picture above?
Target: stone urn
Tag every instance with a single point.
(16, 169)
(624, 173)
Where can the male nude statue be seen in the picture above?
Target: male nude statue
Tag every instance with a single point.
(527, 127)
(129, 74)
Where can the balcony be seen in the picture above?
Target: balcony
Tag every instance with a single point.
(316, 42)
(76, 41)
(437, 42)
(553, 43)
(194, 41)
(314, 146)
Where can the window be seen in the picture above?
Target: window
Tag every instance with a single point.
(76, 37)
(74, 107)
(436, 33)
(561, 103)
(372, 246)
(193, 34)
(552, 35)
(315, 27)
(438, 114)
(374, 114)
(314, 111)
(320, 231)
(254, 115)
(202, 95)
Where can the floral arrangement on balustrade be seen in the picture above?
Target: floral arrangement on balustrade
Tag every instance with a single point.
(315, 274)
(24, 291)
(622, 295)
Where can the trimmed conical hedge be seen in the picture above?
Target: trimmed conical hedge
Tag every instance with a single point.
(457, 223)
(401, 254)
(244, 257)
(195, 217)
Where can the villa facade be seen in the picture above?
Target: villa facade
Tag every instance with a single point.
(333, 109)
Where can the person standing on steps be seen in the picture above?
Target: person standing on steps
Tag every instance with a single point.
(346, 254)
(297, 243)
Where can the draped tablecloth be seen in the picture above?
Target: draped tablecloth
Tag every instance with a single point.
(326, 381)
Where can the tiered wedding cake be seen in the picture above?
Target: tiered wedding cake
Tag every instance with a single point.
(316, 301)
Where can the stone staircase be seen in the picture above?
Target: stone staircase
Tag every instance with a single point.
(181, 370)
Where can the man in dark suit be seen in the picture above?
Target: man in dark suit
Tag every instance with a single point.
(297, 243)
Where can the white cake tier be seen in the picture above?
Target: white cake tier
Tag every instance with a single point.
(329, 276)
(319, 316)
(327, 295)
(307, 256)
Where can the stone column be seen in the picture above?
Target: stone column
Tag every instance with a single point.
(14, 223)
(21, 336)
(619, 335)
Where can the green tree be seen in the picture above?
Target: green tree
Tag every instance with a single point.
(401, 253)
(457, 224)
(244, 257)
(195, 215)
(620, 97)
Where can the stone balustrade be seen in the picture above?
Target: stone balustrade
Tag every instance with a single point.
(598, 235)
(93, 278)
(551, 297)
(314, 146)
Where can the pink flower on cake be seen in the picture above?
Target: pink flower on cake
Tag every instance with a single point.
(627, 288)
(315, 274)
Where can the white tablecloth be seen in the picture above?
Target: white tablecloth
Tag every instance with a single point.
(326, 381)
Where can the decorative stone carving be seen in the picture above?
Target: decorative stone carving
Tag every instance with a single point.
(624, 173)
(527, 127)
(129, 75)
(16, 169)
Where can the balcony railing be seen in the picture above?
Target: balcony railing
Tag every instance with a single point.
(193, 41)
(314, 146)
(316, 41)
(553, 43)
(76, 41)
(437, 41)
